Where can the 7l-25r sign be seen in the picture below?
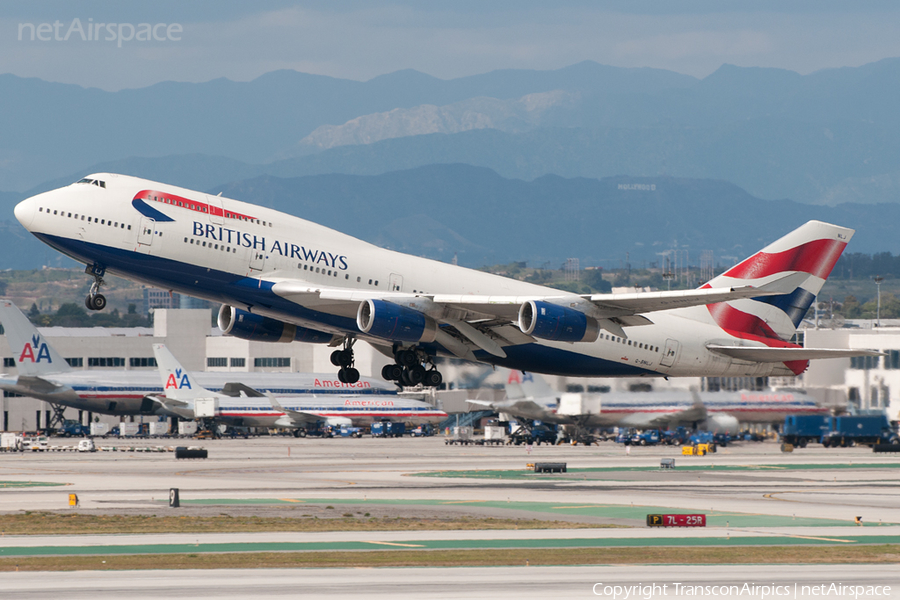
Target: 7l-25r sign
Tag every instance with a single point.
(676, 520)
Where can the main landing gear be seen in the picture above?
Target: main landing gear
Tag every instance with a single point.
(409, 370)
(344, 360)
(95, 300)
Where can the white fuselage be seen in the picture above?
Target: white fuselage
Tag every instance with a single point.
(232, 252)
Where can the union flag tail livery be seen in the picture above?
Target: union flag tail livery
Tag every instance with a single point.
(813, 249)
(33, 355)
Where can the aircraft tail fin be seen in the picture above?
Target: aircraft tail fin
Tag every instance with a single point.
(178, 384)
(809, 252)
(34, 356)
(520, 384)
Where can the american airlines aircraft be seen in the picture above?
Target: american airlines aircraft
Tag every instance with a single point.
(281, 278)
(44, 374)
(529, 397)
(254, 409)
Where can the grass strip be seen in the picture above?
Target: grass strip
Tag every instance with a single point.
(51, 523)
(875, 554)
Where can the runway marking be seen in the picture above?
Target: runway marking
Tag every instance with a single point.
(824, 539)
(290, 500)
(396, 544)
(463, 502)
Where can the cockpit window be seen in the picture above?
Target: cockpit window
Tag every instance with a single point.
(96, 182)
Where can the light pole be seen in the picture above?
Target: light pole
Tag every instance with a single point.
(878, 280)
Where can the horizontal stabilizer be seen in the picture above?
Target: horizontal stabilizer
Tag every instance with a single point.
(775, 355)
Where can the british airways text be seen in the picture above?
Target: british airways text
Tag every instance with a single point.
(247, 240)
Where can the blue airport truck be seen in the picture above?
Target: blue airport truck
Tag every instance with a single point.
(648, 437)
(388, 429)
(848, 430)
(800, 430)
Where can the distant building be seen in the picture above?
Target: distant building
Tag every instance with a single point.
(156, 298)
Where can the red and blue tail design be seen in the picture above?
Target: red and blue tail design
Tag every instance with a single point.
(813, 249)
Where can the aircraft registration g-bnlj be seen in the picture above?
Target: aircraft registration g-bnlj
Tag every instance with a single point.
(281, 278)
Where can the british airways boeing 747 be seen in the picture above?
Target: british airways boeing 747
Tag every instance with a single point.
(281, 278)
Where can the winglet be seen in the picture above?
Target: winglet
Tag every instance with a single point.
(34, 356)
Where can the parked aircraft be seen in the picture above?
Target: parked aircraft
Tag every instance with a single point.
(44, 374)
(252, 408)
(529, 397)
(281, 279)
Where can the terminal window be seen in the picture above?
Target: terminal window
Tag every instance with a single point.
(238, 362)
(75, 362)
(272, 362)
(142, 362)
(106, 361)
(216, 362)
(864, 362)
(9, 362)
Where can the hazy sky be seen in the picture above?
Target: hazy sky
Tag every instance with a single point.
(361, 40)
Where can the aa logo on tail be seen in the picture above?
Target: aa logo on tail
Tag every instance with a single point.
(43, 352)
(178, 380)
(519, 377)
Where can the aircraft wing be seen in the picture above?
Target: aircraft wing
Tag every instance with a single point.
(766, 354)
(292, 418)
(524, 409)
(488, 322)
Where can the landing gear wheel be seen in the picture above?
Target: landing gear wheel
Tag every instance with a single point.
(345, 358)
(99, 302)
(433, 378)
(415, 375)
(392, 372)
(348, 375)
(334, 358)
(89, 302)
(407, 358)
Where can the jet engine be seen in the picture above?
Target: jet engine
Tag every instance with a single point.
(721, 424)
(557, 323)
(394, 322)
(257, 328)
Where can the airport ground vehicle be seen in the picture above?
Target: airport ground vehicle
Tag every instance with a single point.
(350, 432)
(86, 445)
(10, 442)
(799, 430)
(676, 437)
(424, 430)
(648, 437)
(534, 432)
(847, 430)
(36, 444)
(73, 428)
(388, 429)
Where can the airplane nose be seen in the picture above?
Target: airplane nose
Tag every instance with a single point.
(24, 212)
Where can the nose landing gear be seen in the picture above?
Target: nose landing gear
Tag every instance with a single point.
(344, 360)
(95, 300)
(409, 370)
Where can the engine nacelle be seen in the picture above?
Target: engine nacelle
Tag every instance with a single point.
(557, 323)
(721, 424)
(257, 328)
(394, 322)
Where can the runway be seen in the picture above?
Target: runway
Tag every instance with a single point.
(469, 583)
(752, 495)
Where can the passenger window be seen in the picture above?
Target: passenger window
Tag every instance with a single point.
(54, 212)
(358, 279)
(89, 219)
(376, 282)
(70, 215)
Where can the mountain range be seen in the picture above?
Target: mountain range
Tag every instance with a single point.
(829, 137)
